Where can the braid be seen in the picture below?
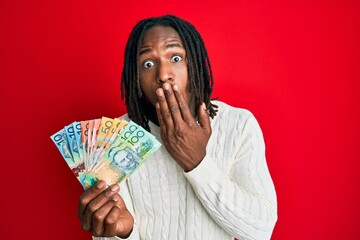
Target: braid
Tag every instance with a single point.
(199, 68)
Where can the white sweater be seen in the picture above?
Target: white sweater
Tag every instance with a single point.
(229, 194)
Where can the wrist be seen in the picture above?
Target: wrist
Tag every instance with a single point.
(192, 165)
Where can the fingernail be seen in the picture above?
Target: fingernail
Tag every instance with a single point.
(115, 199)
(175, 87)
(159, 92)
(100, 184)
(166, 86)
(114, 188)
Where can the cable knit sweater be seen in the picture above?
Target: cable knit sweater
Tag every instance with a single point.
(229, 194)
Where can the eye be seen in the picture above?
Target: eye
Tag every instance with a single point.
(148, 64)
(176, 58)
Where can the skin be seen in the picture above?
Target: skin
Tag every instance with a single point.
(102, 211)
(164, 81)
(163, 74)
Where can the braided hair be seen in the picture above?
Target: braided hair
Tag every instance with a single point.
(200, 77)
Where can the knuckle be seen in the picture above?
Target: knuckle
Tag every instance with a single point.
(174, 108)
(82, 201)
(168, 93)
(108, 193)
(183, 106)
(166, 114)
(179, 130)
(161, 99)
(91, 207)
(193, 125)
(109, 220)
(98, 217)
(93, 190)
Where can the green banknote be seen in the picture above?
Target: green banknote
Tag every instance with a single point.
(116, 140)
(131, 148)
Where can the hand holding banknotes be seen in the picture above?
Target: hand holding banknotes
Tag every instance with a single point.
(184, 139)
(102, 211)
(103, 152)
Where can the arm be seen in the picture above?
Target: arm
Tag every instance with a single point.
(241, 200)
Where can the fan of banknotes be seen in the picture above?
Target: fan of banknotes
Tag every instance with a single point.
(106, 149)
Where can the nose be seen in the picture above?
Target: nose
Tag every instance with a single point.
(165, 73)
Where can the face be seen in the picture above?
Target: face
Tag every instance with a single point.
(162, 59)
(125, 161)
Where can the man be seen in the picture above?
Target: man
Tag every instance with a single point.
(209, 180)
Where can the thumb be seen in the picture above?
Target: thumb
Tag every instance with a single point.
(204, 118)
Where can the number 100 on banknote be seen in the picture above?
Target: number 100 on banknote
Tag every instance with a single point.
(112, 155)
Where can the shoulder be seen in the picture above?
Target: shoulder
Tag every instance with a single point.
(235, 119)
(232, 114)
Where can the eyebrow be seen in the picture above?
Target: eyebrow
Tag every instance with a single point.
(146, 50)
(167, 46)
(173, 44)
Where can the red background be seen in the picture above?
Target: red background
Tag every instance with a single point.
(294, 65)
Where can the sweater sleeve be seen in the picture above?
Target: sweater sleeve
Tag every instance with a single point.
(125, 194)
(241, 198)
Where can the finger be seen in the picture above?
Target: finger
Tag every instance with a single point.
(204, 118)
(119, 202)
(99, 224)
(183, 105)
(172, 104)
(111, 222)
(164, 109)
(99, 216)
(160, 118)
(88, 195)
(96, 203)
(118, 222)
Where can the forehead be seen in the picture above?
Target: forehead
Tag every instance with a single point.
(160, 34)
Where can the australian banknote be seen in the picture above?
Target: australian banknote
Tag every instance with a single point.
(61, 141)
(106, 148)
(130, 149)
